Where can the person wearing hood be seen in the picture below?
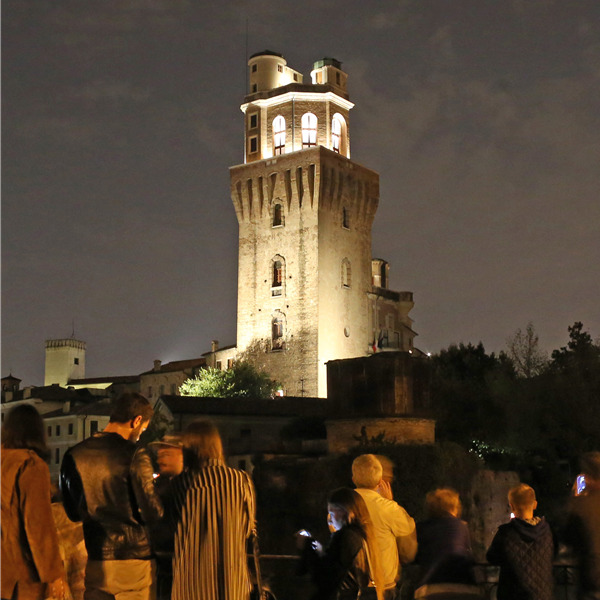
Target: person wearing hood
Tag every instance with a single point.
(523, 548)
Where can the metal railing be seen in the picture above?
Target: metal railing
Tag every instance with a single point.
(279, 574)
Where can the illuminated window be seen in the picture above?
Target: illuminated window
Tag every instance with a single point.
(277, 332)
(346, 273)
(277, 215)
(277, 273)
(309, 130)
(339, 137)
(345, 218)
(336, 134)
(279, 135)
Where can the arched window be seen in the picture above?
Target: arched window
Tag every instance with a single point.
(339, 137)
(278, 135)
(277, 275)
(336, 134)
(309, 130)
(277, 215)
(346, 273)
(278, 331)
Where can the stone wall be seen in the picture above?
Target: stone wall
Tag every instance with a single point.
(343, 434)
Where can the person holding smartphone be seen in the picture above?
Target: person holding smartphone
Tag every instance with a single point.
(582, 531)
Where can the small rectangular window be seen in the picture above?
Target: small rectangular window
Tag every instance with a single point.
(58, 430)
(218, 365)
(254, 88)
(280, 68)
(253, 121)
(295, 77)
(70, 428)
(254, 67)
(49, 430)
(253, 145)
(93, 427)
(230, 363)
(57, 455)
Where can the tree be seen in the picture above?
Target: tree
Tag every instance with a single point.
(467, 392)
(525, 353)
(241, 381)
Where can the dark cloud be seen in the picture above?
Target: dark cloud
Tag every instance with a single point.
(122, 118)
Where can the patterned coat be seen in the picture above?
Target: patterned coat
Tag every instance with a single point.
(215, 510)
(524, 551)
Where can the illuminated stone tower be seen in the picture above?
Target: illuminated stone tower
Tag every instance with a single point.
(65, 360)
(305, 212)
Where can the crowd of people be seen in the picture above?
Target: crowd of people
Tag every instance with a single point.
(184, 534)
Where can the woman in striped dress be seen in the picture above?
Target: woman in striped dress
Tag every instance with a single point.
(214, 506)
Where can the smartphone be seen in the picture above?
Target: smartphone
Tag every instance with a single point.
(580, 484)
(304, 533)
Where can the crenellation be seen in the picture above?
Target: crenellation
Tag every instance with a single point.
(288, 187)
(299, 186)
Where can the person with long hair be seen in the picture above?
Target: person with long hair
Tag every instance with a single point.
(349, 566)
(213, 507)
(32, 567)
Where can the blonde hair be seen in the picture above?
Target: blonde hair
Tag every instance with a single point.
(522, 496)
(442, 502)
(366, 471)
(358, 513)
(201, 441)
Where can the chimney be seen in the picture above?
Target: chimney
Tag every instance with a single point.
(214, 345)
(67, 407)
(157, 364)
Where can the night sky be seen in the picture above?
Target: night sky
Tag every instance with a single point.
(121, 118)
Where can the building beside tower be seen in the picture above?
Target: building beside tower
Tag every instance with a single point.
(308, 289)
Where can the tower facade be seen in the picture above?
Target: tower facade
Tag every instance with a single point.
(305, 212)
(307, 292)
(65, 360)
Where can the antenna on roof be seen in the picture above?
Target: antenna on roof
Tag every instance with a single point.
(73, 329)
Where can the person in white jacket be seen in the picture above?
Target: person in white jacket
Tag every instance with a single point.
(394, 527)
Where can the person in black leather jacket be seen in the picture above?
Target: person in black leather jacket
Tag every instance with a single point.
(107, 482)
